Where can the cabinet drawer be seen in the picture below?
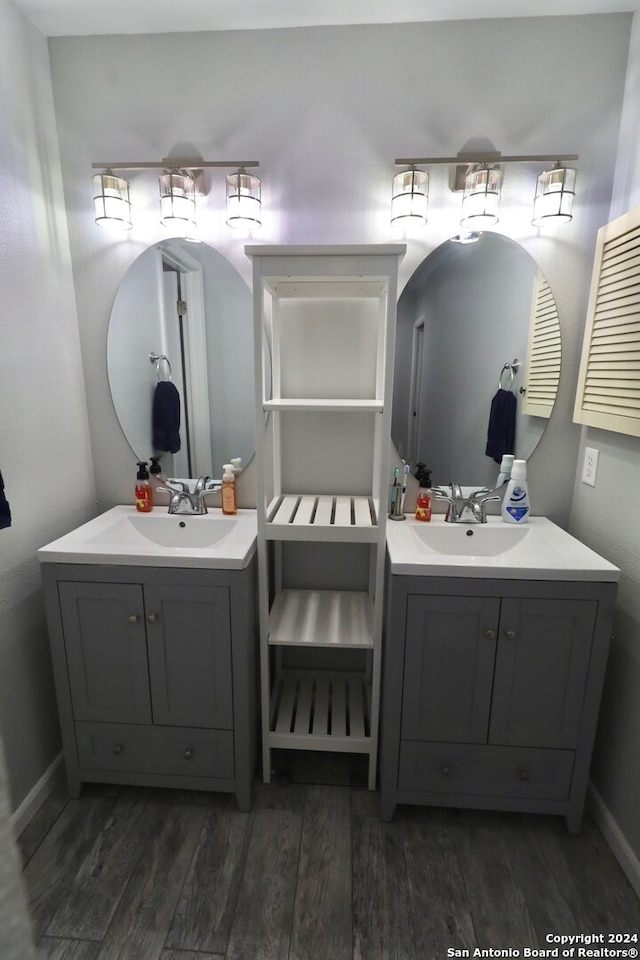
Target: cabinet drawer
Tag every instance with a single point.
(485, 770)
(146, 749)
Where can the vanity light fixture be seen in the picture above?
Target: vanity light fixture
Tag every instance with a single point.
(410, 198)
(555, 190)
(243, 200)
(178, 183)
(480, 177)
(111, 201)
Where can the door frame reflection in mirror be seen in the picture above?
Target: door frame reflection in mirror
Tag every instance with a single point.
(219, 394)
(496, 281)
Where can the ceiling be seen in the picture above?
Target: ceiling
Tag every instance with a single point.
(56, 18)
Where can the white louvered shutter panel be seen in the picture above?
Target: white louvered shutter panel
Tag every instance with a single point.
(544, 352)
(608, 394)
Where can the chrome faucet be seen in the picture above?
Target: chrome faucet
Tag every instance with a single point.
(471, 509)
(183, 501)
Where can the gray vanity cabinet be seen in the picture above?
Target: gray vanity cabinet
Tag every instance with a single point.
(491, 691)
(156, 675)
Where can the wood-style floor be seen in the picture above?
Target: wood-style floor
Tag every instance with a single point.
(310, 874)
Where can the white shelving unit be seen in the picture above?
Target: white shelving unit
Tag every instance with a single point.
(324, 342)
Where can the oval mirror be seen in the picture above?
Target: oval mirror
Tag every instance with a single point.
(473, 318)
(183, 313)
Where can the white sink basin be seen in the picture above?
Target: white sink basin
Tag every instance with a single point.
(170, 531)
(538, 550)
(122, 535)
(478, 540)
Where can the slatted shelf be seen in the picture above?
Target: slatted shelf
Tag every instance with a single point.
(335, 405)
(322, 618)
(310, 516)
(321, 711)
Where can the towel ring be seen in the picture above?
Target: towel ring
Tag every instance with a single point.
(157, 359)
(513, 368)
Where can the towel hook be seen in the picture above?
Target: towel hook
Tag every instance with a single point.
(157, 358)
(513, 368)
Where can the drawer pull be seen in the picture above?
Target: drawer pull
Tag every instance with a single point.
(134, 618)
(153, 618)
(490, 634)
(188, 753)
(118, 748)
(445, 770)
(523, 775)
(510, 634)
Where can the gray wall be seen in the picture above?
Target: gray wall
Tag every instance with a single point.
(326, 110)
(607, 517)
(45, 452)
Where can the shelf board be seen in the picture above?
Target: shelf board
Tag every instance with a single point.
(325, 404)
(322, 618)
(321, 711)
(318, 517)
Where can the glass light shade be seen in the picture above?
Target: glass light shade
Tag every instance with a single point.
(410, 198)
(177, 199)
(555, 190)
(467, 236)
(243, 201)
(111, 201)
(481, 198)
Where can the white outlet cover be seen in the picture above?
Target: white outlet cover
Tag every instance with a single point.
(590, 466)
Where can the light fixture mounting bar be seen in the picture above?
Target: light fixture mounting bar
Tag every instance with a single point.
(180, 163)
(473, 158)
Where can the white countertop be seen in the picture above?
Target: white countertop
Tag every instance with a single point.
(538, 550)
(123, 535)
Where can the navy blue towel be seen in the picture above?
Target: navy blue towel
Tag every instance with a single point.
(501, 432)
(5, 512)
(165, 417)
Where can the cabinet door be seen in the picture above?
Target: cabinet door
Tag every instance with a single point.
(541, 671)
(105, 642)
(448, 671)
(189, 643)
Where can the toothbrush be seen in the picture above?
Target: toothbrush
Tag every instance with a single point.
(394, 489)
(405, 473)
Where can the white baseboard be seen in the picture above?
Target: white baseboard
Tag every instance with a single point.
(36, 797)
(615, 838)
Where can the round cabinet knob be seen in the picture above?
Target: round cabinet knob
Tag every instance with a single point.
(445, 770)
(489, 634)
(523, 775)
(118, 748)
(188, 753)
(134, 618)
(153, 618)
(510, 634)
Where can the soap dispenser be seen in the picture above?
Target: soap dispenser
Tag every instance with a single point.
(144, 490)
(229, 497)
(423, 502)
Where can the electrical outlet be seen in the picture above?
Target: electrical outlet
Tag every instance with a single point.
(590, 466)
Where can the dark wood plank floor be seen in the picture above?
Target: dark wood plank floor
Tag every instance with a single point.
(310, 874)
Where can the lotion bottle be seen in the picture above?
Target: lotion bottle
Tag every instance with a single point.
(144, 490)
(229, 501)
(515, 505)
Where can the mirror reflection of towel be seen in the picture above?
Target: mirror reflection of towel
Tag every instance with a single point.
(501, 432)
(165, 417)
(5, 512)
